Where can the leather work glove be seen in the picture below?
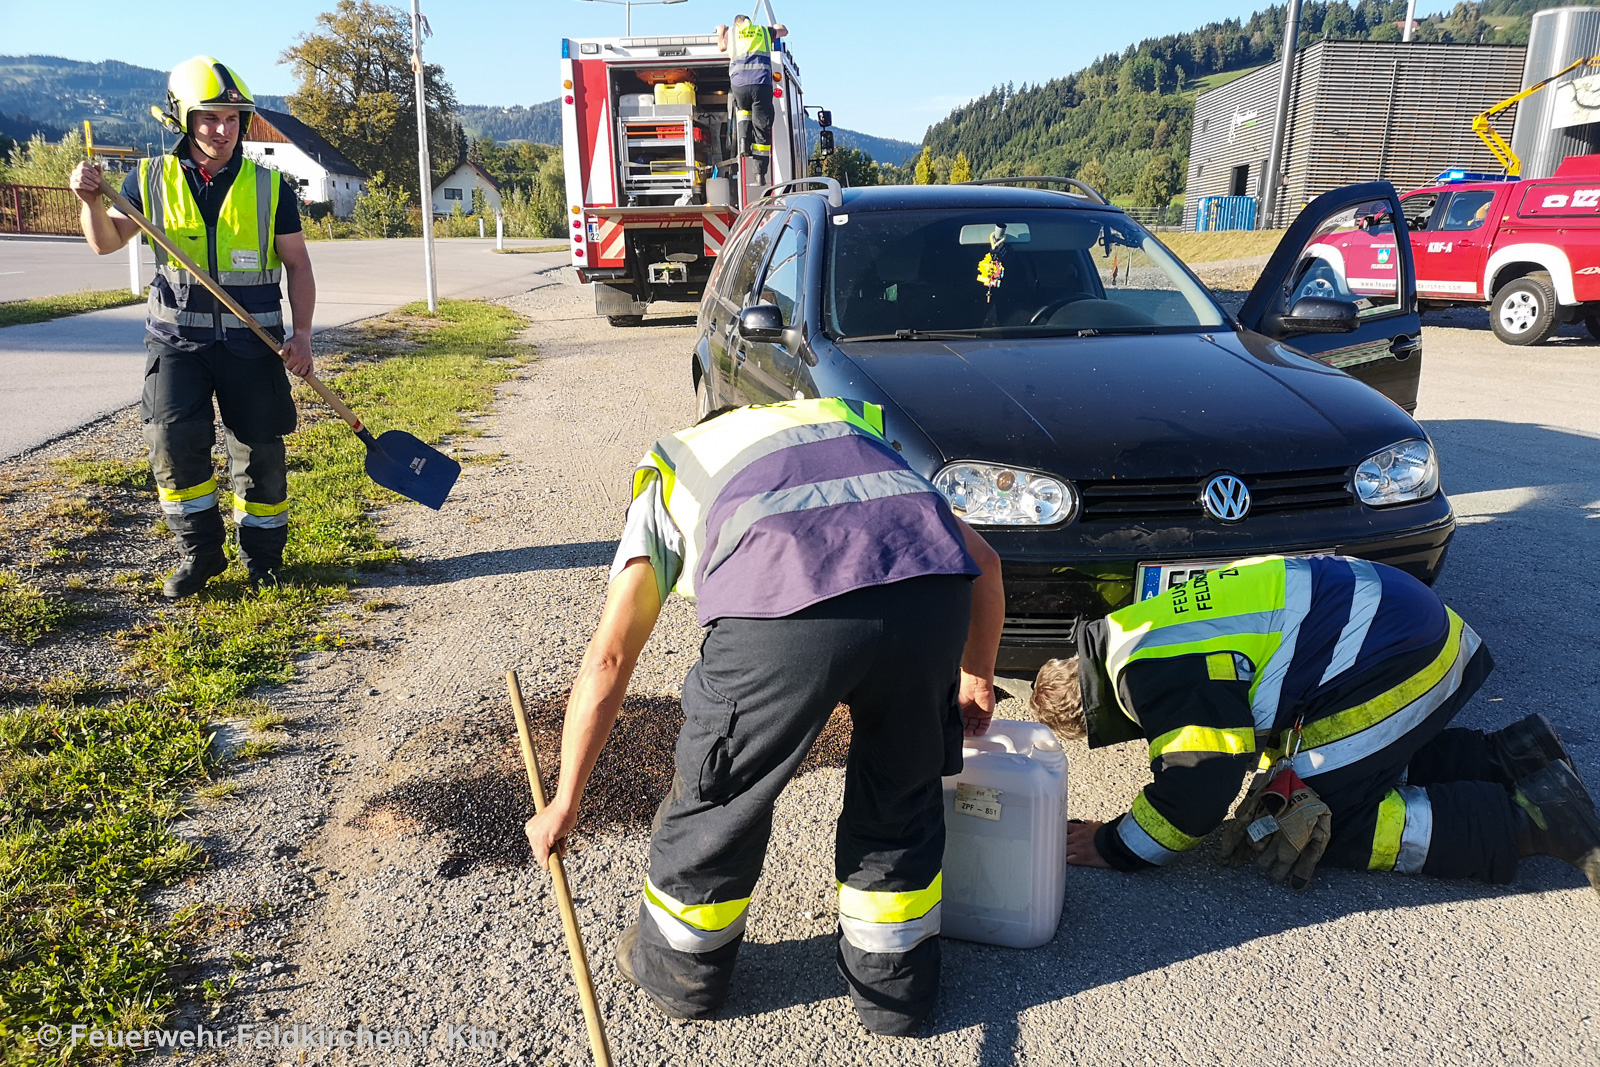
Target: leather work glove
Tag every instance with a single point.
(1285, 827)
(1237, 845)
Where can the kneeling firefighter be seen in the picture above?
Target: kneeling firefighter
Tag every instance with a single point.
(243, 221)
(825, 571)
(1341, 676)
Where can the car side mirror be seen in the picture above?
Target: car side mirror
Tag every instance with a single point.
(763, 323)
(1316, 314)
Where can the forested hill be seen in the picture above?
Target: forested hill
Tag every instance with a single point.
(1124, 112)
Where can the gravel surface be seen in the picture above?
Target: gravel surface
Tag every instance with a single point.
(380, 863)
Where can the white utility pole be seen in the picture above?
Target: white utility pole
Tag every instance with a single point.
(424, 167)
(1411, 17)
(135, 281)
(1273, 178)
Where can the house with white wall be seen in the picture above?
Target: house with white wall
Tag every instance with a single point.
(321, 172)
(455, 190)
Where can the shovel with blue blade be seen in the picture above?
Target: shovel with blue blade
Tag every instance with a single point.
(395, 459)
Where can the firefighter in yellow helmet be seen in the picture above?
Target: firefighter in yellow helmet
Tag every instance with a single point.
(242, 221)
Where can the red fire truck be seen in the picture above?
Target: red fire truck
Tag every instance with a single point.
(1529, 249)
(653, 162)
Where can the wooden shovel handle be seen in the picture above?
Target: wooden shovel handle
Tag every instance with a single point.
(558, 875)
(123, 205)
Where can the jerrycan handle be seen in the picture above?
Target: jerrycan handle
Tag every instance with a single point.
(995, 742)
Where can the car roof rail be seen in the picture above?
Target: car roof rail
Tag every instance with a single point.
(835, 190)
(1073, 182)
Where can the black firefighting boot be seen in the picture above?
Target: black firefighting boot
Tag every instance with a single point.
(1524, 747)
(261, 551)
(201, 535)
(1557, 819)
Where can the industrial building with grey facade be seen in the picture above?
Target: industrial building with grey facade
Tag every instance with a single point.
(1358, 111)
(1397, 111)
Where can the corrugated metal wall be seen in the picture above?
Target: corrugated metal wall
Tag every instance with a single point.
(1361, 110)
(1232, 127)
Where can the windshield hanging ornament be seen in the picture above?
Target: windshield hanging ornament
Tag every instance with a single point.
(991, 269)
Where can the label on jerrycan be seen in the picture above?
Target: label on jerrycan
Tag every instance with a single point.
(978, 802)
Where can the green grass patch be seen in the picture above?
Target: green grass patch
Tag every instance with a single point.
(1195, 248)
(104, 473)
(90, 784)
(45, 308)
(525, 251)
(1216, 81)
(27, 613)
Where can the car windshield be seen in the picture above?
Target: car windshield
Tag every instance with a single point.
(1005, 272)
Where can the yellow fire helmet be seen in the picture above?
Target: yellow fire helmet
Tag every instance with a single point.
(202, 82)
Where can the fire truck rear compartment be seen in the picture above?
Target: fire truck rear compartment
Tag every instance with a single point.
(662, 160)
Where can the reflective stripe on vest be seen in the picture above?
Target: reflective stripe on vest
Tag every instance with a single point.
(1150, 836)
(1347, 736)
(695, 927)
(695, 465)
(266, 516)
(1404, 831)
(1254, 607)
(190, 501)
(750, 49)
(242, 247)
(876, 921)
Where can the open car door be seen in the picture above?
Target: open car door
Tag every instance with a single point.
(1341, 287)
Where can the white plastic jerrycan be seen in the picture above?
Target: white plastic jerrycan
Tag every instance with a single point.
(1005, 851)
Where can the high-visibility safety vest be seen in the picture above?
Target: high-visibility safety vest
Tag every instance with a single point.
(750, 48)
(1298, 629)
(782, 506)
(240, 252)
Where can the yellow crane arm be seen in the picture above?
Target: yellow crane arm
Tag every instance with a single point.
(1491, 137)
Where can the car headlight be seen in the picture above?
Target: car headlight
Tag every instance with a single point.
(1399, 474)
(990, 495)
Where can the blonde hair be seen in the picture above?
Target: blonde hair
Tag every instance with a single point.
(1058, 702)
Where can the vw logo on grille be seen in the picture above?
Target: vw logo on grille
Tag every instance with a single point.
(1226, 498)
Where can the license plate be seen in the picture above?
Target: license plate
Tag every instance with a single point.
(1157, 578)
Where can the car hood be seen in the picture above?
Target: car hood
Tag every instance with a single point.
(1167, 406)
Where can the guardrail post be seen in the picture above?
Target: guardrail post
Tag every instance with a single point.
(480, 227)
(499, 232)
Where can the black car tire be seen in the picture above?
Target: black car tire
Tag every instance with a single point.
(1524, 311)
(702, 399)
(625, 320)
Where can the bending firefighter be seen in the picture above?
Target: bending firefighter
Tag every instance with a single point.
(749, 49)
(242, 220)
(1342, 676)
(825, 571)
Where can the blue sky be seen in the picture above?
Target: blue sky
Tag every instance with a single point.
(888, 69)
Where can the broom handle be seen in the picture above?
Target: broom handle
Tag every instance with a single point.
(121, 203)
(558, 875)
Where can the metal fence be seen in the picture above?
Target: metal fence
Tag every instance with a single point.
(38, 209)
(1157, 218)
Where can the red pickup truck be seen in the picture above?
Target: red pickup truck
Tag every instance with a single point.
(1529, 249)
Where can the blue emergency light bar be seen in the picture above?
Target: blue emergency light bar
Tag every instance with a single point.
(1458, 174)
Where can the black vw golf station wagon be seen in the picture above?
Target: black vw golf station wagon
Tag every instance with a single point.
(1078, 395)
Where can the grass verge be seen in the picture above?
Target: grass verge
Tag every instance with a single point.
(525, 251)
(45, 308)
(1210, 247)
(89, 787)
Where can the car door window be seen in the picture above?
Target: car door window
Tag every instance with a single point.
(1467, 211)
(1351, 256)
(1419, 210)
(732, 250)
(742, 272)
(786, 272)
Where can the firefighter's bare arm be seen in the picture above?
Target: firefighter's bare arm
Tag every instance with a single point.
(780, 30)
(104, 229)
(291, 248)
(722, 38)
(983, 637)
(632, 605)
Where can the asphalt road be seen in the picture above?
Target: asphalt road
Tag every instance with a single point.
(418, 920)
(65, 373)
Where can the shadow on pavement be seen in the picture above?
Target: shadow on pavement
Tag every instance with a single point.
(1477, 318)
(512, 561)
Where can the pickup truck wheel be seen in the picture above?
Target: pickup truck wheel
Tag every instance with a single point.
(625, 320)
(1524, 311)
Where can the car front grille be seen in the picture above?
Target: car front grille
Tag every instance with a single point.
(1039, 631)
(1120, 500)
